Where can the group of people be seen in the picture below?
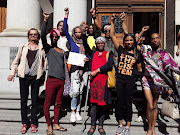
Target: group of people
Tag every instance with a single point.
(102, 54)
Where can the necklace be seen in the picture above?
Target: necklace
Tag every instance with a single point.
(33, 47)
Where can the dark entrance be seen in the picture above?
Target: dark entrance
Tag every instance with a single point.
(141, 19)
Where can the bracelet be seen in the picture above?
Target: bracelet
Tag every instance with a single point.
(94, 17)
(122, 20)
(98, 69)
(138, 36)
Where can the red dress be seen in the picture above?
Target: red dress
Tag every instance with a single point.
(98, 83)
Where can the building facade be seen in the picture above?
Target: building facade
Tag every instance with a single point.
(18, 16)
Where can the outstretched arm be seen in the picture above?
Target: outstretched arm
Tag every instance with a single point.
(94, 16)
(124, 26)
(43, 32)
(74, 47)
(144, 29)
(112, 32)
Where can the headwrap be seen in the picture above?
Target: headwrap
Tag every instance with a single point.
(75, 39)
(78, 41)
(107, 26)
(100, 39)
(54, 31)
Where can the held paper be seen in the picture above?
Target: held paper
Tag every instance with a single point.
(76, 59)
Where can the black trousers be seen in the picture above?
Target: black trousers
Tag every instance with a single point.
(97, 113)
(24, 93)
(124, 91)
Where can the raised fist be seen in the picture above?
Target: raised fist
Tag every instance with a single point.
(145, 28)
(113, 17)
(122, 15)
(46, 16)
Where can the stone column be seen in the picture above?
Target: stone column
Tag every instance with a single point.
(177, 23)
(21, 16)
(77, 9)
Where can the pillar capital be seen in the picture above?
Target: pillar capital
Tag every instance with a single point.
(21, 16)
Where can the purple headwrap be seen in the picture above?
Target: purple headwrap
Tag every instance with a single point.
(54, 31)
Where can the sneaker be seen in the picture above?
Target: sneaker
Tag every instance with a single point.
(73, 117)
(139, 119)
(119, 130)
(127, 131)
(78, 116)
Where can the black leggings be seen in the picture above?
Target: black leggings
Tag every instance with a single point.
(24, 93)
(124, 91)
(98, 112)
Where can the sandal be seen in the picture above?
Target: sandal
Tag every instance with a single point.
(91, 133)
(24, 129)
(101, 132)
(61, 129)
(50, 132)
(33, 128)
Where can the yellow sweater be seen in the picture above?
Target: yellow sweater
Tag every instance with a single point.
(91, 42)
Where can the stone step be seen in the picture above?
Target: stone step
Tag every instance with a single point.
(10, 121)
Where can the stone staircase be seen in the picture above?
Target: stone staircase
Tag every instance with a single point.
(10, 119)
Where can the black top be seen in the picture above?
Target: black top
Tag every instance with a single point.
(55, 59)
(126, 64)
(31, 57)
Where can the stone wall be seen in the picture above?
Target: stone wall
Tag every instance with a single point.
(170, 26)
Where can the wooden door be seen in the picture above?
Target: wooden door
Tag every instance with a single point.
(104, 18)
(3, 13)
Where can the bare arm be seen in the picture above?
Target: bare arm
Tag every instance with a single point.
(178, 50)
(144, 29)
(139, 68)
(124, 26)
(112, 32)
(94, 16)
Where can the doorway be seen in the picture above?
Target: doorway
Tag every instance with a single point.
(150, 19)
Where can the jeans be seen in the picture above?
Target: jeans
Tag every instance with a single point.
(76, 103)
(24, 93)
(54, 88)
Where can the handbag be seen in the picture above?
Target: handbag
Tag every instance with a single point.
(67, 85)
(170, 109)
(111, 80)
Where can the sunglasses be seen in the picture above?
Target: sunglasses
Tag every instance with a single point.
(105, 31)
(33, 34)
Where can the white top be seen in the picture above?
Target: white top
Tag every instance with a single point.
(61, 42)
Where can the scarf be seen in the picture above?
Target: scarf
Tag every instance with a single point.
(78, 41)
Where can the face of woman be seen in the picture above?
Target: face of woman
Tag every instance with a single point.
(91, 30)
(107, 32)
(78, 33)
(54, 38)
(129, 42)
(33, 35)
(100, 46)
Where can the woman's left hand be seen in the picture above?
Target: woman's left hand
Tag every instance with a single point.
(86, 59)
(94, 73)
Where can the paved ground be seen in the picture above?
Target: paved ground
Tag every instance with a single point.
(10, 121)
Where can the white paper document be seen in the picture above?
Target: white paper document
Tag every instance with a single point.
(76, 59)
(46, 6)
